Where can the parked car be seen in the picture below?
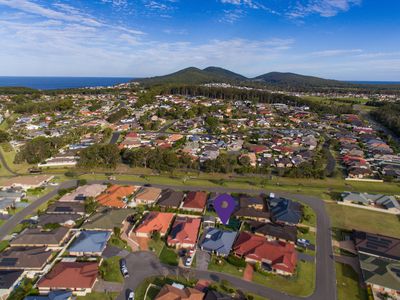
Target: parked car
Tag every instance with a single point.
(123, 267)
(188, 261)
(130, 295)
(303, 243)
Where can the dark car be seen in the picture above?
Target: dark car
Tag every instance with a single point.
(123, 267)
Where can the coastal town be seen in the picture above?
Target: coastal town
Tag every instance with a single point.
(111, 195)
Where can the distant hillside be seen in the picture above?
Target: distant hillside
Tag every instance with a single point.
(296, 80)
(195, 76)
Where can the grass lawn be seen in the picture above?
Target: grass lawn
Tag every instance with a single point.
(157, 246)
(99, 296)
(357, 218)
(224, 267)
(168, 256)
(110, 270)
(322, 188)
(348, 285)
(9, 157)
(119, 243)
(301, 284)
(4, 245)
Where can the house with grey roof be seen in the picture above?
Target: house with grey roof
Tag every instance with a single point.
(285, 211)
(53, 295)
(9, 279)
(89, 243)
(381, 274)
(378, 201)
(218, 241)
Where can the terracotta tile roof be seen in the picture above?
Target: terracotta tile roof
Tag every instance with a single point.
(281, 256)
(195, 200)
(155, 221)
(184, 231)
(114, 195)
(71, 275)
(169, 292)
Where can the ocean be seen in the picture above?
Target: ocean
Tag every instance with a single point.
(377, 82)
(52, 83)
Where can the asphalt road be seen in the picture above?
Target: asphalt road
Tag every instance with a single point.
(12, 222)
(144, 265)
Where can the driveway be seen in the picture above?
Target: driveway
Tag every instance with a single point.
(202, 260)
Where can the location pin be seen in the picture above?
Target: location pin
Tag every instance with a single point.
(224, 205)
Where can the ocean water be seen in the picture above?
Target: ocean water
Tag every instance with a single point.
(376, 82)
(52, 83)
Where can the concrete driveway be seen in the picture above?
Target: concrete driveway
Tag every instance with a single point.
(202, 260)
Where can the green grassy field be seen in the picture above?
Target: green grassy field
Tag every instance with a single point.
(323, 188)
(110, 270)
(354, 218)
(348, 285)
(168, 256)
(301, 284)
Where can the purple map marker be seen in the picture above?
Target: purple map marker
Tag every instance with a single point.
(224, 205)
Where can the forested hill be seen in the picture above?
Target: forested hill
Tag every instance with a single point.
(195, 76)
(272, 80)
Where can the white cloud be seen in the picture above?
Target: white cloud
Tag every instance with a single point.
(336, 52)
(324, 8)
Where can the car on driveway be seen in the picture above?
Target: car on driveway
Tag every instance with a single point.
(303, 243)
(188, 261)
(124, 268)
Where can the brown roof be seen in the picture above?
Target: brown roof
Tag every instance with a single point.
(195, 200)
(148, 194)
(36, 237)
(169, 292)
(27, 180)
(71, 275)
(24, 258)
(170, 198)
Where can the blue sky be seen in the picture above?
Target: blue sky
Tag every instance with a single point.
(341, 39)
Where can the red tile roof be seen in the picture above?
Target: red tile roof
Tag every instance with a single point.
(70, 275)
(195, 200)
(114, 195)
(155, 221)
(281, 256)
(184, 231)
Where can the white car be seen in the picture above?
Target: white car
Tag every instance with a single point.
(188, 261)
(131, 295)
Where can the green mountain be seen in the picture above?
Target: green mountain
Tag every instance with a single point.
(296, 80)
(195, 76)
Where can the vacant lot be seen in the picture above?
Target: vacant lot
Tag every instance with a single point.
(357, 218)
(348, 285)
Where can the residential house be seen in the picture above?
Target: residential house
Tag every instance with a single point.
(89, 243)
(154, 222)
(53, 295)
(184, 233)
(378, 200)
(26, 258)
(116, 196)
(35, 237)
(252, 207)
(273, 231)
(78, 277)
(195, 201)
(147, 195)
(278, 257)
(66, 220)
(377, 245)
(27, 182)
(285, 211)
(83, 192)
(178, 292)
(215, 295)
(9, 279)
(381, 275)
(170, 198)
(218, 241)
(69, 208)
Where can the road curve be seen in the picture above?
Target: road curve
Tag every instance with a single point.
(325, 265)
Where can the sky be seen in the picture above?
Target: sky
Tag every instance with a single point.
(338, 39)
